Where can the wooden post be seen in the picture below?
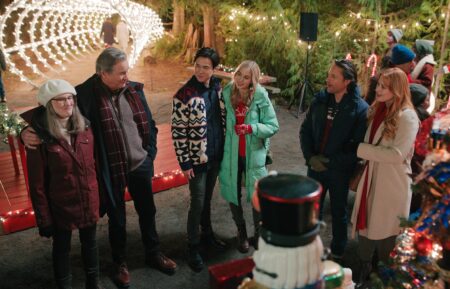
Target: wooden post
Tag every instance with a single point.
(208, 26)
(441, 58)
(178, 18)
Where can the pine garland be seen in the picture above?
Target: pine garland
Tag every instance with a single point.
(10, 123)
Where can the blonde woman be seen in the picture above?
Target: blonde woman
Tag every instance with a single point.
(250, 122)
(63, 182)
(384, 192)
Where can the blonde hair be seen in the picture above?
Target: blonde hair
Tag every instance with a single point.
(396, 81)
(75, 124)
(255, 72)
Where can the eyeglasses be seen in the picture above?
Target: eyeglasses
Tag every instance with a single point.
(63, 100)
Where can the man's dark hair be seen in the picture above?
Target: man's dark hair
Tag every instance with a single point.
(208, 53)
(348, 71)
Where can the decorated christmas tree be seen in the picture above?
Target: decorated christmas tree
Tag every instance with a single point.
(421, 257)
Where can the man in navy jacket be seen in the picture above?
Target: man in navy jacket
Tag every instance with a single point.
(334, 126)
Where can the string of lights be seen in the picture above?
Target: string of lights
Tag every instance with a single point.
(20, 219)
(49, 33)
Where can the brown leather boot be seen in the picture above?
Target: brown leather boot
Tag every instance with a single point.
(164, 264)
(243, 245)
(122, 276)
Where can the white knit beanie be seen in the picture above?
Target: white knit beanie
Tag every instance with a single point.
(53, 88)
(397, 34)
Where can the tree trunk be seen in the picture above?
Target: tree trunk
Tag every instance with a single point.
(178, 18)
(190, 44)
(377, 21)
(437, 84)
(208, 26)
(188, 37)
(219, 38)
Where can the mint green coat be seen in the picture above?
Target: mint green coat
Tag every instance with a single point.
(261, 116)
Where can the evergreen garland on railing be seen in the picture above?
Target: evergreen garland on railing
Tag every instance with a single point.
(10, 123)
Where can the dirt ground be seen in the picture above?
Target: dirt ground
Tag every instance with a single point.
(25, 258)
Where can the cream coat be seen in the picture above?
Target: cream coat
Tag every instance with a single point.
(390, 185)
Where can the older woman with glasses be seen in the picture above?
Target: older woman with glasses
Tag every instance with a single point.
(63, 182)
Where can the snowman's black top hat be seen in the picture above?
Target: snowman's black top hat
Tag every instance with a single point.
(289, 209)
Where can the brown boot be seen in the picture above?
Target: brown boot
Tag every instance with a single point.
(122, 276)
(243, 245)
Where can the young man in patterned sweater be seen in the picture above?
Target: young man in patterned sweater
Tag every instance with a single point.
(198, 135)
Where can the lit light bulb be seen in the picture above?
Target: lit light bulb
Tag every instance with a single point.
(67, 29)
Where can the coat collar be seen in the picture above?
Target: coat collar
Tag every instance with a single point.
(214, 82)
(355, 95)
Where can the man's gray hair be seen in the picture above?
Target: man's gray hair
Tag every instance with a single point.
(108, 58)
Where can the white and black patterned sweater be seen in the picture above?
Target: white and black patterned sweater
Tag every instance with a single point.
(189, 125)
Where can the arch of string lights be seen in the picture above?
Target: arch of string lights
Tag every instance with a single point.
(48, 33)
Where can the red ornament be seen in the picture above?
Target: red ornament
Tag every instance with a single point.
(423, 245)
(446, 244)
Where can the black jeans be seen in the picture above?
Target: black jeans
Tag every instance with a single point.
(236, 210)
(61, 257)
(336, 183)
(367, 247)
(140, 189)
(201, 188)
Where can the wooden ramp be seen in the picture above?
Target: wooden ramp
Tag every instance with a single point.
(16, 212)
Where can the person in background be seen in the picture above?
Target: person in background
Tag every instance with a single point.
(108, 31)
(423, 72)
(394, 36)
(63, 182)
(333, 127)
(384, 191)
(2, 68)
(250, 122)
(125, 141)
(403, 58)
(123, 35)
(420, 97)
(198, 118)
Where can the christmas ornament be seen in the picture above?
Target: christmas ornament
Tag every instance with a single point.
(404, 249)
(423, 245)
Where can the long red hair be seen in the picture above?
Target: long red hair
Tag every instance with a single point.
(396, 81)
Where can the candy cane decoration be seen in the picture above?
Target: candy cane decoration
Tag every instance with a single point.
(372, 60)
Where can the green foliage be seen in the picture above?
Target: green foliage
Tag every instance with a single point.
(344, 27)
(10, 123)
(267, 38)
(168, 46)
